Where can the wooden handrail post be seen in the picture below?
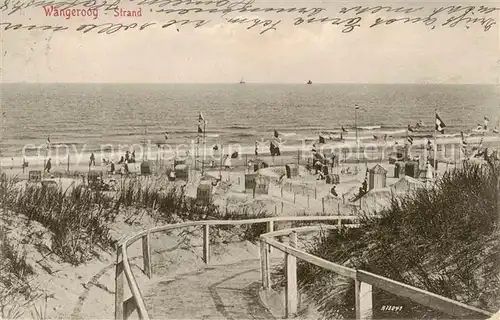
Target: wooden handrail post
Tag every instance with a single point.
(264, 267)
(119, 285)
(291, 280)
(363, 300)
(269, 228)
(146, 255)
(129, 306)
(206, 243)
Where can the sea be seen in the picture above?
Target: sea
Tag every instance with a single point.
(97, 117)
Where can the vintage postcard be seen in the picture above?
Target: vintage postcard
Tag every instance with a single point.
(249, 159)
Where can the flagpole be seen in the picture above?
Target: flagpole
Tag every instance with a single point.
(462, 147)
(145, 135)
(435, 146)
(356, 125)
(221, 153)
(204, 146)
(197, 148)
(407, 143)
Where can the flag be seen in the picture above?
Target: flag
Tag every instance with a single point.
(321, 139)
(344, 129)
(479, 148)
(276, 134)
(200, 130)
(419, 124)
(274, 149)
(463, 143)
(410, 129)
(410, 139)
(439, 124)
(48, 140)
(486, 120)
(200, 117)
(463, 138)
(356, 106)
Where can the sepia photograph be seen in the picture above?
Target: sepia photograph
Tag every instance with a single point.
(249, 159)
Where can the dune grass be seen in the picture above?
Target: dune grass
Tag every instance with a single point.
(77, 217)
(444, 240)
(171, 205)
(16, 291)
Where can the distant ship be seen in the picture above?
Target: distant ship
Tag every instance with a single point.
(242, 81)
(309, 82)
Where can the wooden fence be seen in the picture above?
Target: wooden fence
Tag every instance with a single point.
(364, 280)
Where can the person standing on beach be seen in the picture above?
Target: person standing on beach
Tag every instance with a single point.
(92, 160)
(227, 162)
(25, 163)
(48, 166)
(256, 149)
(333, 191)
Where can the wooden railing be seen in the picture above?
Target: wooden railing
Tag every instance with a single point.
(124, 308)
(363, 280)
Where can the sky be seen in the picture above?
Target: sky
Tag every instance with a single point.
(224, 53)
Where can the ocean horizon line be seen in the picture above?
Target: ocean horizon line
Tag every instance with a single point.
(253, 83)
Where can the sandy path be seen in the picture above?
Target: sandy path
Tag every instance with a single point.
(217, 292)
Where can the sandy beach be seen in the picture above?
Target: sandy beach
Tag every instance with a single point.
(448, 151)
(299, 195)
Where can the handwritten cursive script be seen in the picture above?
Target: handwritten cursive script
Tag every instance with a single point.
(201, 13)
(452, 15)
